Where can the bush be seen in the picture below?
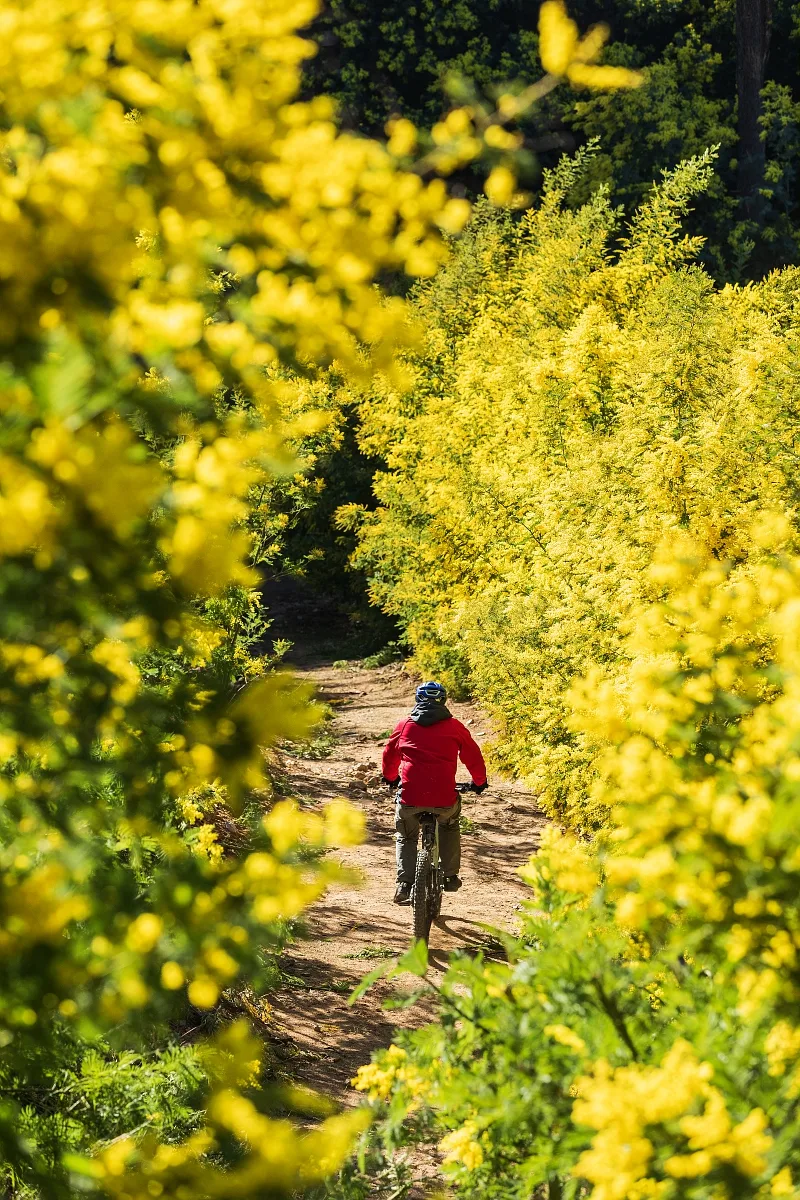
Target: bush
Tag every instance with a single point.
(180, 235)
(579, 396)
(642, 1038)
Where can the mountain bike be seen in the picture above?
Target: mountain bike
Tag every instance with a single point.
(426, 895)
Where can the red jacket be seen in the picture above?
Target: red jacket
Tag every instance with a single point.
(426, 757)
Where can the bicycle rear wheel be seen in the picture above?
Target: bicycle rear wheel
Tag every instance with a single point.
(423, 899)
(437, 882)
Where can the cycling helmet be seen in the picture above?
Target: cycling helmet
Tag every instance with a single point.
(431, 691)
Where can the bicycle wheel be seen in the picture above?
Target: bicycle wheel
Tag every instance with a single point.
(422, 903)
(437, 879)
(437, 887)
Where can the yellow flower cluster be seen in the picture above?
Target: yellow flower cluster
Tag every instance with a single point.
(37, 904)
(780, 1185)
(28, 515)
(681, 823)
(462, 1148)
(625, 1105)
(104, 468)
(197, 127)
(392, 1070)
(565, 862)
(782, 1046)
(207, 843)
(196, 803)
(205, 549)
(340, 824)
(99, 468)
(565, 53)
(566, 1037)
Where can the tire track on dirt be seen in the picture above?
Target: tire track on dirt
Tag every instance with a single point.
(350, 929)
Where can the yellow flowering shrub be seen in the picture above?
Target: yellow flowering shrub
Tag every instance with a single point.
(184, 243)
(577, 399)
(700, 772)
(642, 1040)
(587, 516)
(624, 1104)
(567, 865)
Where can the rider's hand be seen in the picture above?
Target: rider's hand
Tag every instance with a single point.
(390, 782)
(480, 787)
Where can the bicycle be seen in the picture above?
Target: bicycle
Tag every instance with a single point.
(426, 894)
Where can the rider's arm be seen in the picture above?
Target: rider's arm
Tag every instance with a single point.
(390, 765)
(471, 756)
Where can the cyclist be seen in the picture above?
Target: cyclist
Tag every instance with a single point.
(422, 756)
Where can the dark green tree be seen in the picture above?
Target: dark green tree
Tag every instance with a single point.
(711, 80)
(753, 33)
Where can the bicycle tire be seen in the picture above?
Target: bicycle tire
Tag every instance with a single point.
(423, 915)
(437, 888)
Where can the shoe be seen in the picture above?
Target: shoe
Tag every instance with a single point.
(452, 883)
(403, 893)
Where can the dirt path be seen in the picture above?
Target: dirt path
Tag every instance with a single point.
(351, 929)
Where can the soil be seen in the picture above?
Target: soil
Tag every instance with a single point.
(352, 929)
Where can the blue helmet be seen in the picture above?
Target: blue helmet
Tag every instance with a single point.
(431, 691)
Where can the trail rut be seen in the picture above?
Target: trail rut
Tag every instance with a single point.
(351, 928)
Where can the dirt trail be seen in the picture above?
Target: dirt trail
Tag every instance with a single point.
(351, 928)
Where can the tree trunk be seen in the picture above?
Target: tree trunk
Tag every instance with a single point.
(753, 29)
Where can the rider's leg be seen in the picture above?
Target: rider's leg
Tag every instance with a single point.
(406, 824)
(450, 839)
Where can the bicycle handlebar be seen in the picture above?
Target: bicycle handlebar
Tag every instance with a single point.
(462, 788)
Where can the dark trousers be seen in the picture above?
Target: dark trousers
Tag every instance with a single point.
(406, 823)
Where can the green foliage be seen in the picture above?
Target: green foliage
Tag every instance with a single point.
(293, 516)
(383, 59)
(370, 952)
(391, 652)
(323, 742)
(73, 1095)
(371, 1174)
